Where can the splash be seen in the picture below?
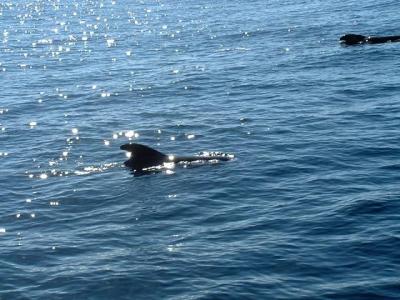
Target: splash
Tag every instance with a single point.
(87, 170)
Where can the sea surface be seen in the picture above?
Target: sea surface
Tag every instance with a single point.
(308, 208)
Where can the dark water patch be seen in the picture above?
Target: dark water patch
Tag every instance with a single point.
(380, 246)
(358, 292)
(369, 207)
(391, 167)
(376, 152)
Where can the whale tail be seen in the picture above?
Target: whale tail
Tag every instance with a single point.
(143, 157)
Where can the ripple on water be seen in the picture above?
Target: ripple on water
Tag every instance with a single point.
(306, 210)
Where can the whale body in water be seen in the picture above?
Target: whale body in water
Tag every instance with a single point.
(143, 157)
(356, 39)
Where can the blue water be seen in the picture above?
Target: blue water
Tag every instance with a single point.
(308, 209)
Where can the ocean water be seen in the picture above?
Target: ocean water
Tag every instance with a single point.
(308, 209)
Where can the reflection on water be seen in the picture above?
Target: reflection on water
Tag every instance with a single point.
(310, 194)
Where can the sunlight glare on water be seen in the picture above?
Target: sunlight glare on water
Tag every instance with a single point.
(306, 208)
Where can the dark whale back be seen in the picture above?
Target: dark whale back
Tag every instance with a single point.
(143, 157)
(382, 39)
(352, 39)
(355, 39)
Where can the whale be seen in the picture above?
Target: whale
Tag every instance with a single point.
(356, 39)
(143, 157)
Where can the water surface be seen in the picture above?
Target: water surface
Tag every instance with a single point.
(307, 210)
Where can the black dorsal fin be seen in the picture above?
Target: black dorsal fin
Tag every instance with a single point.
(143, 156)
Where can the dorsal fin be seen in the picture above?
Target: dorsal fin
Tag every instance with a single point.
(143, 157)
